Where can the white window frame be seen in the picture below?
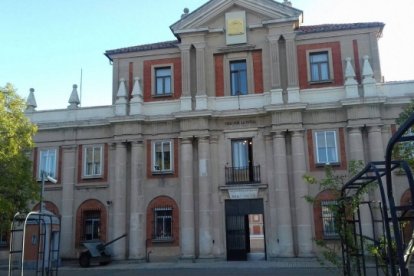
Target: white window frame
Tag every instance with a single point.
(94, 147)
(154, 79)
(90, 220)
(328, 217)
(330, 65)
(234, 57)
(318, 158)
(47, 169)
(156, 167)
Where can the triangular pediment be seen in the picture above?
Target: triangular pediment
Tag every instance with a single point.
(266, 11)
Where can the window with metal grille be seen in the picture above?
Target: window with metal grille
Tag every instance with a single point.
(163, 81)
(91, 225)
(328, 218)
(92, 161)
(238, 77)
(163, 223)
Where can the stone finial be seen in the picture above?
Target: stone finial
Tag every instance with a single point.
(287, 3)
(122, 92)
(31, 101)
(186, 11)
(349, 73)
(74, 98)
(367, 72)
(137, 90)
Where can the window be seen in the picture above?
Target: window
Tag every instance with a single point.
(319, 66)
(47, 162)
(91, 225)
(162, 156)
(238, 77)
(92, 161)
(326, 147)
(163, 81)
(328, 218)
(241, 153)
(163, 223)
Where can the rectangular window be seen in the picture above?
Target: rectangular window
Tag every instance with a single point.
(47, 162)
(92, 161)
(240, 151)
(91, 225)
(326, 147)
(328, 219)
(319, 66)
(163, 223)
(163, 81)
(162, 156)
(238, 77)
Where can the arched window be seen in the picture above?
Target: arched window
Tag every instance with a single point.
(91, 222)
(323, 213)
(50, 206)
(163, 221)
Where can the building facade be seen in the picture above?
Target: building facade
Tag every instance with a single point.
(215, 127)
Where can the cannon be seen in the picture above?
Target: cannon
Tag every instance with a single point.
(97, 252)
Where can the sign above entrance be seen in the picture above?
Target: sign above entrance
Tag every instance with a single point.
(243, 193)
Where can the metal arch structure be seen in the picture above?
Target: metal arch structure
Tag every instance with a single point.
(385, 218)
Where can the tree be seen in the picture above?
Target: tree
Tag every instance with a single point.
(405, 150)
(17, 185)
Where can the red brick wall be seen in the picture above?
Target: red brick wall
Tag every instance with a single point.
(338, 79)
(91, 205)
(163, 201)
(341, 151)
(50, 206)
(356, 60)
(257, 72)
(150, 175)
(148, 97)
(219, 74)
(104, 177)
(317, 211)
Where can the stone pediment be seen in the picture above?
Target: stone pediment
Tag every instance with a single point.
(206, 17)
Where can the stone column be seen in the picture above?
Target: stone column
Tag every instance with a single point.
(376, 147)
(137, 225)
(283, 214)
(356, 146)
(292, 69)
(276, 91)
(119, 201)
(204, 180)
(303, 212)
(185, 78)
(187, 234)
(217, 210)
(356, 152)
(67, 212)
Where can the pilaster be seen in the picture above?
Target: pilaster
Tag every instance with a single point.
(282, 198)
(303, 212)
(137, 217)
(187, 234)
(205, 236)
(119, 201)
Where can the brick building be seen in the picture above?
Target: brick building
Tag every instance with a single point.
(215, 126)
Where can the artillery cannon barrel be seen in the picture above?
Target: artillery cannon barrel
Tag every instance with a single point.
(114, 240)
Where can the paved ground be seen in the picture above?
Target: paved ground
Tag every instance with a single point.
(288, 267)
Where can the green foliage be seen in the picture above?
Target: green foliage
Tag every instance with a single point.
(17, 186)
(405, 150)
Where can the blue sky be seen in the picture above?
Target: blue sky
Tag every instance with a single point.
(45, 43)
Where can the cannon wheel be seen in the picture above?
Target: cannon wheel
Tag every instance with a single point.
(85, 259)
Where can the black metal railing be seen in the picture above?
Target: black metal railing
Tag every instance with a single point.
(242, 175)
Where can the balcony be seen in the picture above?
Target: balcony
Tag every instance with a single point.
(242, 175)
